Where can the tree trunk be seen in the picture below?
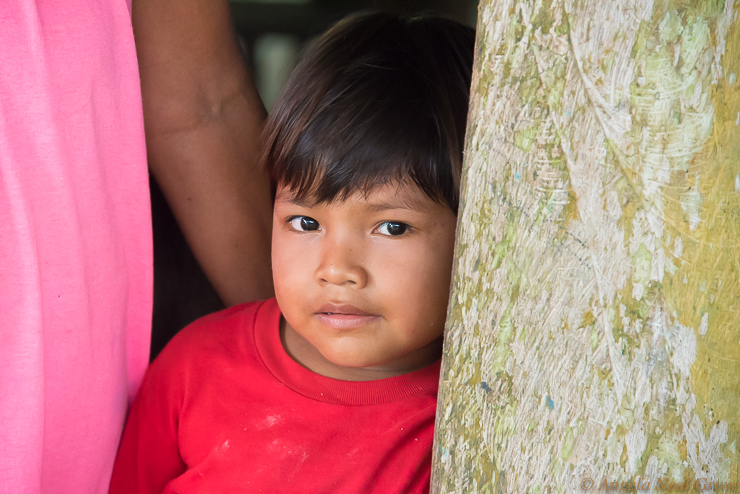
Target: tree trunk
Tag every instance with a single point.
(593, 332)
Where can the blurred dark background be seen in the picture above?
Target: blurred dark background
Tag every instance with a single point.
(272, 34)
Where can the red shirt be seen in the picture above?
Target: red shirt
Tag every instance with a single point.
(225, 409)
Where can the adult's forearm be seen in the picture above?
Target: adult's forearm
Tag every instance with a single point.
(203, 118)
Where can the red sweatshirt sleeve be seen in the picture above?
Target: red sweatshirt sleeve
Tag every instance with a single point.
(148, 457)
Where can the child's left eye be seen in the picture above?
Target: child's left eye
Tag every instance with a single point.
(393, 228)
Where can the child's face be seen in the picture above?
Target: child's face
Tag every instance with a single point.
(364, 281)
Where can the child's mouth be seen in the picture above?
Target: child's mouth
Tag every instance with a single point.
(344, 316)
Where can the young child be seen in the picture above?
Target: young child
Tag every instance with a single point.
(331, 387)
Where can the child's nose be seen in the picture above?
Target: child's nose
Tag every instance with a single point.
(341, 265)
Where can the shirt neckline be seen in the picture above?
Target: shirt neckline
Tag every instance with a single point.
(326, 389)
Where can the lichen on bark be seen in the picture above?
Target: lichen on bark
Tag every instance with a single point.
(593, 326)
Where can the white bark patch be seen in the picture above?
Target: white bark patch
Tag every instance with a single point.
(678, 247)
(722, 27)
(636, 440)
(704, 324)
(682, 341)
(704, 454)
(691, 203)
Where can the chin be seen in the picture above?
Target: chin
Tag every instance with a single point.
(350, 362)
(349, 359)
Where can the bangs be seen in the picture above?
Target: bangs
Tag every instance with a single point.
(341, 152)
(376, 100)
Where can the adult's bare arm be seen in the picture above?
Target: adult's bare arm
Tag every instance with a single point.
(203, 117)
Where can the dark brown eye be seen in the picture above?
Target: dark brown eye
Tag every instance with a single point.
(393, 228)
(304, 224)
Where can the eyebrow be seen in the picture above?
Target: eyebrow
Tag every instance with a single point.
(374, 207)
(398, 204)
(295, 201)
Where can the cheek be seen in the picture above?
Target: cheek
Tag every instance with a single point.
(417, 278)
(288, 266)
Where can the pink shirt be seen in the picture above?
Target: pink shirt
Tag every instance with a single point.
(75, 242)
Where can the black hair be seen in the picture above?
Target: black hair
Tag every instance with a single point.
(377, 99)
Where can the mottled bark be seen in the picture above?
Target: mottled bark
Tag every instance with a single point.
(594, 329)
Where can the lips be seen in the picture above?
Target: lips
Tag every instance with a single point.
(344, 316)
(344, 309)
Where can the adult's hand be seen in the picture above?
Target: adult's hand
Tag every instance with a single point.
(203, 118)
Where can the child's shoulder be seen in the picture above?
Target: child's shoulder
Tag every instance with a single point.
(207, 351)
(225, 331)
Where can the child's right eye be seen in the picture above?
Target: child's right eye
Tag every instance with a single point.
(304, 224)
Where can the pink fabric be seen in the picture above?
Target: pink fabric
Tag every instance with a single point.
(75, 242)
